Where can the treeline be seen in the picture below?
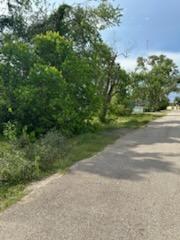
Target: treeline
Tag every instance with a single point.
(57, 72)
(58, 78)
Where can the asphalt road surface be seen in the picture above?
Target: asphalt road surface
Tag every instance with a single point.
(130, 191)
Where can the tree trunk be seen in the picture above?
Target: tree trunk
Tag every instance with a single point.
(105, 108)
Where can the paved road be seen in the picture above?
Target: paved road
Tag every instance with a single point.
(130, 191)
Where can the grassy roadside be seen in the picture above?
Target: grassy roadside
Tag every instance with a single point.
(81, 147)
(87, 145)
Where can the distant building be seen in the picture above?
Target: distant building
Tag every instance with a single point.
(173, 107)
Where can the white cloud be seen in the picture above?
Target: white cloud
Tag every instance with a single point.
(130, 63)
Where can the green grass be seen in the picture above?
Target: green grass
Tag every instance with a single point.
(87, 145)
(10, 194)
(79, 147)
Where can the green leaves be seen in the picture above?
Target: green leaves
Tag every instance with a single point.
(51, 80)
(155, 77)
(80, 24)
(52, 48)
(47, 84)
(108, 15)
(42, 98)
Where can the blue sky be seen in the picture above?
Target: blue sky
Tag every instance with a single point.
(150, 27)
(154, 20)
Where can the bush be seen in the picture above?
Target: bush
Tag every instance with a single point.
(120, 110)
(25, 160)
(25, 139)
(120, 107)
(14, 167)
(46, 151)
(10, 131)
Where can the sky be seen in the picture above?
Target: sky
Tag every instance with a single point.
(150, 27)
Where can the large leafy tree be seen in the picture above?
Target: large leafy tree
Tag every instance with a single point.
(44, 92)
(109, 77)
(81, 24)
(78, 73)
(27, 18)
(154, 79)
(64, 48)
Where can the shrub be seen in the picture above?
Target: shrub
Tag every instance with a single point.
(46, 151)
(10, 131)
(120, 109)
(25, 138)
(26, 160)
(14, 167)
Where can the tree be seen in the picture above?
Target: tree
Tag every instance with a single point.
(42, 99)
(19, 15)
(155, 78)
(82, 25)
(84, 100)
(47, 84)
(55, 22)
(177, 100)
(77, 71)
(16, 60)
(63, 49)
(109, 77)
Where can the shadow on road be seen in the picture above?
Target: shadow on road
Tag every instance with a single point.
(148, 150)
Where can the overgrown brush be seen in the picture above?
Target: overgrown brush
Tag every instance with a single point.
(46, 151)
(26, 160)
(15, 167)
